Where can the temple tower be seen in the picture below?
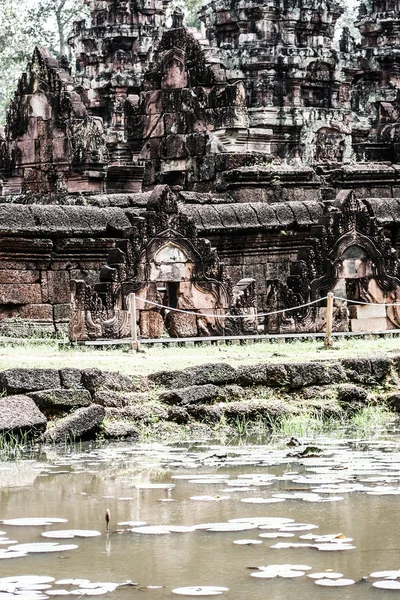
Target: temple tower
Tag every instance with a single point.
(283, 51)
(112, 55)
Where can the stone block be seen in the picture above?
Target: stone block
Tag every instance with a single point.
(114, 399)
(180, 325)
(61, 399)
(370, 324)
(15, 276)
(193, 394)
(37, 312)
(151, 324)
(82, 424)
(217, 374)
(20, 294)
(120, 430)
(368, 311)
(71, 378)
(94, 380)
(20, 381)
(19, 414)
(62, 312)
(57, 288)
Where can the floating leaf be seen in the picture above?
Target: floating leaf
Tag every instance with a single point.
(247, 542)
(71, 581)
(330, 547)
(325, 574)
(44, 547)
(232, 527)
(273, 535)
(283, 573)
(200, 591)
(70, 533)
(262, 500)
(132, 523)
(335, 582)
(389, 584)
(27, 579)
(151, 530)
(36, 521)
(389, 574)
(209, 498)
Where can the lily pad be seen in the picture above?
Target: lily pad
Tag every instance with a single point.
(70, 534)
(389, 584)
(232, 527)
(44, 547)
(151, 530)
(263, 500)
(200, 590)
(330, 547)
(284, 573)
(386, 574)
(27, 579)
(326, 575)
(247, 542)
(209, 498)
(335, 582)
(71, 581)
(34, 522)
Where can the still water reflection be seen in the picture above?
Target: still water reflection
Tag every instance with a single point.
(349, 488)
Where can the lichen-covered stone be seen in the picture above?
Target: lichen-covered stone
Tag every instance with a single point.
(84, 423)
(61, 399)
(94, 380)
(216, 374)
(352, 397)
(191, 395)
(20, 415)
(20, 381)
(120, 430)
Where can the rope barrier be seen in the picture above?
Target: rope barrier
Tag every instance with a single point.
(359, 302)
(260, 315)
(243, 316)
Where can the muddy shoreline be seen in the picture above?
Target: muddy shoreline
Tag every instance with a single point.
(72, 404)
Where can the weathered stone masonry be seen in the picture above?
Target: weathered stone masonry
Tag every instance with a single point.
(248, 168)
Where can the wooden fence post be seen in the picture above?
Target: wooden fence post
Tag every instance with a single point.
(329, 321)
(135, 345)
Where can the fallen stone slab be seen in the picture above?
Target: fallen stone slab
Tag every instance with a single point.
(120, 430)
(143, 413)
(263, 374)
(71, 378)
(193, 394)
(94, 380)
(20, 381)
(315, 373)
(19, 414)
(82, 424)
(113, 399)
(61, 399)
(367, 370)
(216, 374)
(352, 397)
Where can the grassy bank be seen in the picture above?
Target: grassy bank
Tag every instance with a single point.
(53, 355)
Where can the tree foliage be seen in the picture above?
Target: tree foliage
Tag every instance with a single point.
(22, 27)
(191, 9)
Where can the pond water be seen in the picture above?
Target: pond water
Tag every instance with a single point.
(339, 502)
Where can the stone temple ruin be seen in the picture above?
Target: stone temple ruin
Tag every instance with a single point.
(248, 168)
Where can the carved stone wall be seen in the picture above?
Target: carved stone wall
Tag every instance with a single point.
(248, 168)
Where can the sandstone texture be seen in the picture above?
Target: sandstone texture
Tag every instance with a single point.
(80, 425)
(87, 403)
(20, 415)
